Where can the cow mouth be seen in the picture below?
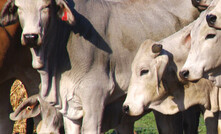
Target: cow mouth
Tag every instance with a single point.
(202, 7)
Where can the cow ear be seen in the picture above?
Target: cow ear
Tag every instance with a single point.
(8, 14)
(161, 65)
(187, 41)
(65, 12)
(27, 109)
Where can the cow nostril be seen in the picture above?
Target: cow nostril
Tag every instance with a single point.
(184, 74)
(126, 109)
(31, 36)
(211, 19)
(31, 39)
(198, 1)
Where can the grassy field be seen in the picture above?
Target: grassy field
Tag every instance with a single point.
(147, 125)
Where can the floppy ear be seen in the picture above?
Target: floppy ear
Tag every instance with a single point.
(160, 67)
(162, 62)
(9, 14)
(65, 12)
(187, 41)
(27, 109)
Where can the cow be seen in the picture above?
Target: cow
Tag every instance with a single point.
(203, 59)
(155, 82)
(84, 60)
(8, 44)
(32, 107)
(15, 63)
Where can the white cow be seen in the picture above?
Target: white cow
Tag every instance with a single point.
(155, 82)
(204, 58)
(85, 63)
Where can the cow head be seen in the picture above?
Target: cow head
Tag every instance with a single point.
(145, 85)
(204, 56)
(51, 119)
(201, 5)
(213, 18)
(34, 16)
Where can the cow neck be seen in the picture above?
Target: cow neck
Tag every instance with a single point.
(52, 54)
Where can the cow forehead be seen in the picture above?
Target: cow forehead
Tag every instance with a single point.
(32, 3)
(202, 30)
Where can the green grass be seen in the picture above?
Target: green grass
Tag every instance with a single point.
(147, 125)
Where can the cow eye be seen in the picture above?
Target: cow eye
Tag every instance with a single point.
(143, 72)
(29, 108)
(210, 36)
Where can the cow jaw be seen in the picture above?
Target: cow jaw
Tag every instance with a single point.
(37, 58)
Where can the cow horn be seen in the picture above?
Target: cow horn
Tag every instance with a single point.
(156, 48)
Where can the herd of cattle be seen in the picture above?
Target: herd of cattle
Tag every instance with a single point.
(93, 65)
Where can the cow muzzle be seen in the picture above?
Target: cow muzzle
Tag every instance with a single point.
(184, 74)
(200, 5)
(31, 40)
(126, 109)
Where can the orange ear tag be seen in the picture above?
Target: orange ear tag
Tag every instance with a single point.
(65, 16)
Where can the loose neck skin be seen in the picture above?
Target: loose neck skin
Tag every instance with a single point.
(51, 53)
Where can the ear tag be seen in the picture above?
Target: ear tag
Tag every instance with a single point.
(65, 16)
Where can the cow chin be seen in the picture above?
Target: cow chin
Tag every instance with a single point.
(135, 109)
(37, 61)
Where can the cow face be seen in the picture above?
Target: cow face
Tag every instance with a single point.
(201, 5)
(34, 17)
(147, 70)
(213, 18)
(204, 56)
